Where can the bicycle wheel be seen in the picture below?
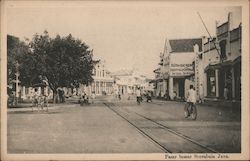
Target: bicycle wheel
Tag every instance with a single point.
(194, 112)
(186, 113)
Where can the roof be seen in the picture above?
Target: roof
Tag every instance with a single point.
(185, 45)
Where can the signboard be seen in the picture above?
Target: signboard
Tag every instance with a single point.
(181, 64)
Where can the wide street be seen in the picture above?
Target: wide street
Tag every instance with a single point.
(113, 126)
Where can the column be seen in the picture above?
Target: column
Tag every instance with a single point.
(233, 83)
(95, 87)
(99, 89)
(217, 82)
(39, 90)
(171, 84)
(164, 86)
(205, 84)
(23, 94)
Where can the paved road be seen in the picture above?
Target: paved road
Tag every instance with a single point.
(112, 126)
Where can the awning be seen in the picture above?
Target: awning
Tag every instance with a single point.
(219, 65)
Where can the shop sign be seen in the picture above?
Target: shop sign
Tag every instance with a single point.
(181, 69)
(182, 64)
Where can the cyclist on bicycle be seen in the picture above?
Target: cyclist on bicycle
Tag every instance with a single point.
(138, 95)
(191, 99)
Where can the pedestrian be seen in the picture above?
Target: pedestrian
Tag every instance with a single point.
(119, 95)
(138, 95)
(226, 92)
(11, 99)
(149, 96)
(191, 98)
(35, 99)
(129, 93)
(61, 95)
(93, 97)
(174, 95)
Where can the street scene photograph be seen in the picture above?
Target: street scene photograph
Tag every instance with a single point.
(123, 77)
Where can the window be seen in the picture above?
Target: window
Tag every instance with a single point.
(211, 84)
(223, 49)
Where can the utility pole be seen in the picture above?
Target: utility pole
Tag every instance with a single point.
(17, 81)
(209, 34)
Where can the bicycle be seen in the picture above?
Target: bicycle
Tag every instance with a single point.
(139, 100)
(190, 110)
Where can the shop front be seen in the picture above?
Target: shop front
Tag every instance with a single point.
(224, 80)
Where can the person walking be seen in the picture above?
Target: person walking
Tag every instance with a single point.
(226, 91)
(129, 93)
(191, 101)
(35, 99)
(138, 95)
(93, 97)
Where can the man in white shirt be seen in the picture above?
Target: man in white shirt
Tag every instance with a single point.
(191, 95)
(191, 100)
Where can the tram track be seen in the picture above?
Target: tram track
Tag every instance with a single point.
(141, 131)
(130, 116)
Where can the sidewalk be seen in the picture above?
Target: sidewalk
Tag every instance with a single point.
(214, 104)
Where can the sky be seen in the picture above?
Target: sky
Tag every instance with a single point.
(124, 34)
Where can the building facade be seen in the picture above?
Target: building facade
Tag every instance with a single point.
(222, 63)
(102, 83)
(212, 65)
(126, 81)
(176, 70)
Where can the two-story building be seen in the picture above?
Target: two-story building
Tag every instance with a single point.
(222, 63)
(102, 83)
(177, 66)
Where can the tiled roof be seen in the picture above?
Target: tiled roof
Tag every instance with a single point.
(185, 45)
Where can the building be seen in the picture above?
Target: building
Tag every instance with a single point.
(126, 81)
(176, 70)
(102, 83)
(222, 63)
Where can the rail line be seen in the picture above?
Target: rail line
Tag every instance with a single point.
(156, 142)
(180, 135)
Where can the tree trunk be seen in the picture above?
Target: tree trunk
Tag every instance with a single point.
(55, 97)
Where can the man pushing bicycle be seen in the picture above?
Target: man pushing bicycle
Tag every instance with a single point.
(190, 108)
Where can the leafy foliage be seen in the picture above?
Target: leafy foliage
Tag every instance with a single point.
(64, 61)
(16, 50)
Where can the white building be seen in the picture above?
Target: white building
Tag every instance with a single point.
(102, 83)
(128, 80)
(177, 66)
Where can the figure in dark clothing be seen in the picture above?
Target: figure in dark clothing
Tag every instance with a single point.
(61, 95)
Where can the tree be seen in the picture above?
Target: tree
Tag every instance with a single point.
(16, 49)
(64, 61)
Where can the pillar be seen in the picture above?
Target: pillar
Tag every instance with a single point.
(164, 86)
(95, 87)
(171, 84)
(233, 83)
(205, 84)
(217, 82)
(23, 94)
(100, 87)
